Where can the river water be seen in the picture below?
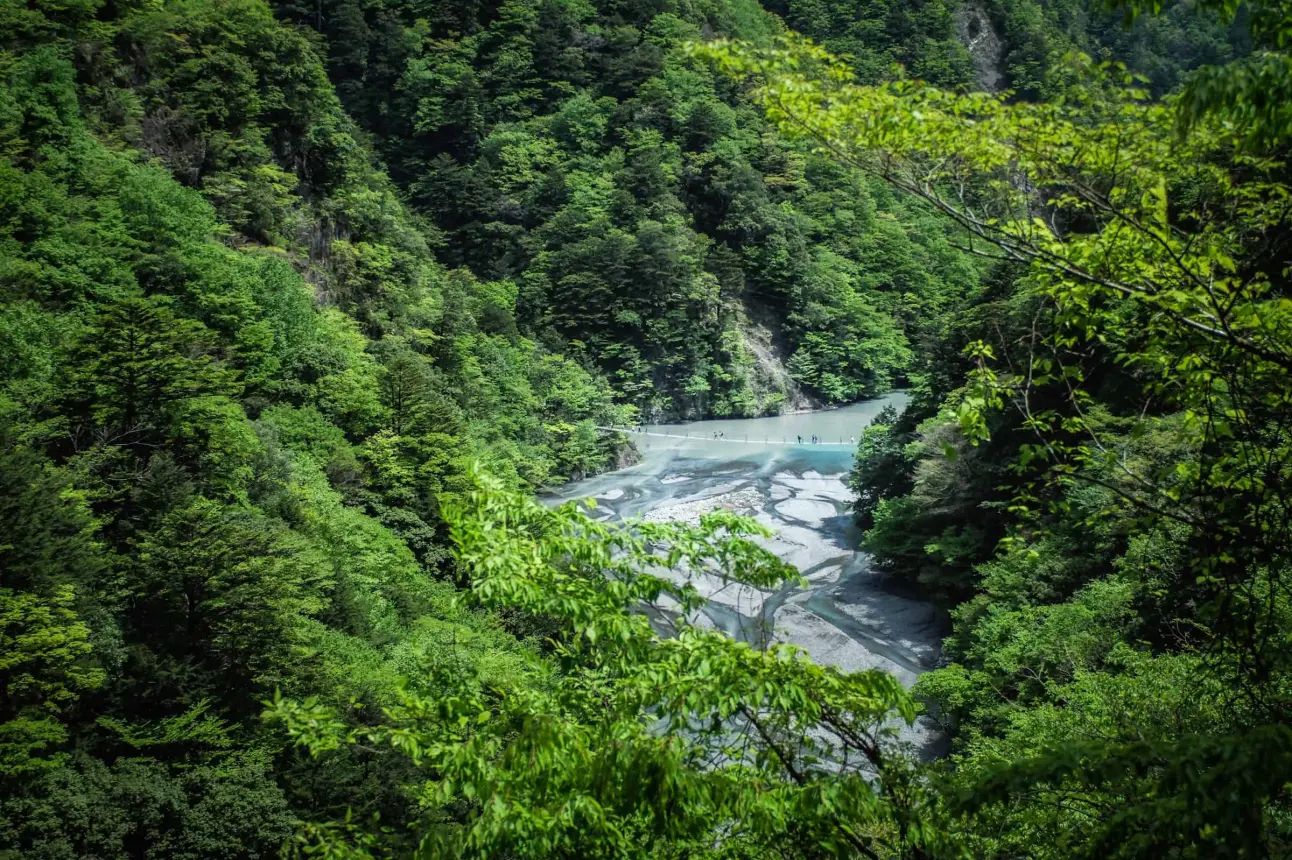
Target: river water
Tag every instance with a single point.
(847, 615)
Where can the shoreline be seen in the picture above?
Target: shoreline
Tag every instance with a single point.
(786, 414)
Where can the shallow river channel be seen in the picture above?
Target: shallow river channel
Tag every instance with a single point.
(847, 615)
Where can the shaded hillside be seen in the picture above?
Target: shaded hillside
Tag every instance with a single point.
(640, 208)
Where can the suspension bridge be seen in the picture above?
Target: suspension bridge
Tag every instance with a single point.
(745, 438)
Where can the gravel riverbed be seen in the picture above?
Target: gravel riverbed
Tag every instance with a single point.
(847, 615)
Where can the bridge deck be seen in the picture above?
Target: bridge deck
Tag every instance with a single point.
(697, 437)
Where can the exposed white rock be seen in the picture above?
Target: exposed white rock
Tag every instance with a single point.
(740, 501)
(811, 511)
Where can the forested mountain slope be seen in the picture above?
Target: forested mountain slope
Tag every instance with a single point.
(240, 375)
(274, 277)
(644, 213)
(1025, 41)
(649, 220)
(236, 386)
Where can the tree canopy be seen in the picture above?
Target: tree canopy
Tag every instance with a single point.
(302, 304)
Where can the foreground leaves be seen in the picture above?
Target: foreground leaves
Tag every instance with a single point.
(647, 734)
(1136, 391)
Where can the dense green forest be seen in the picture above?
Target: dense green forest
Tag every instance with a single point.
(646, 218)
(301, 303)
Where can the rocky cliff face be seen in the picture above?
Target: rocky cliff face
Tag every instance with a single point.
(777, 391)
(985, 45)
